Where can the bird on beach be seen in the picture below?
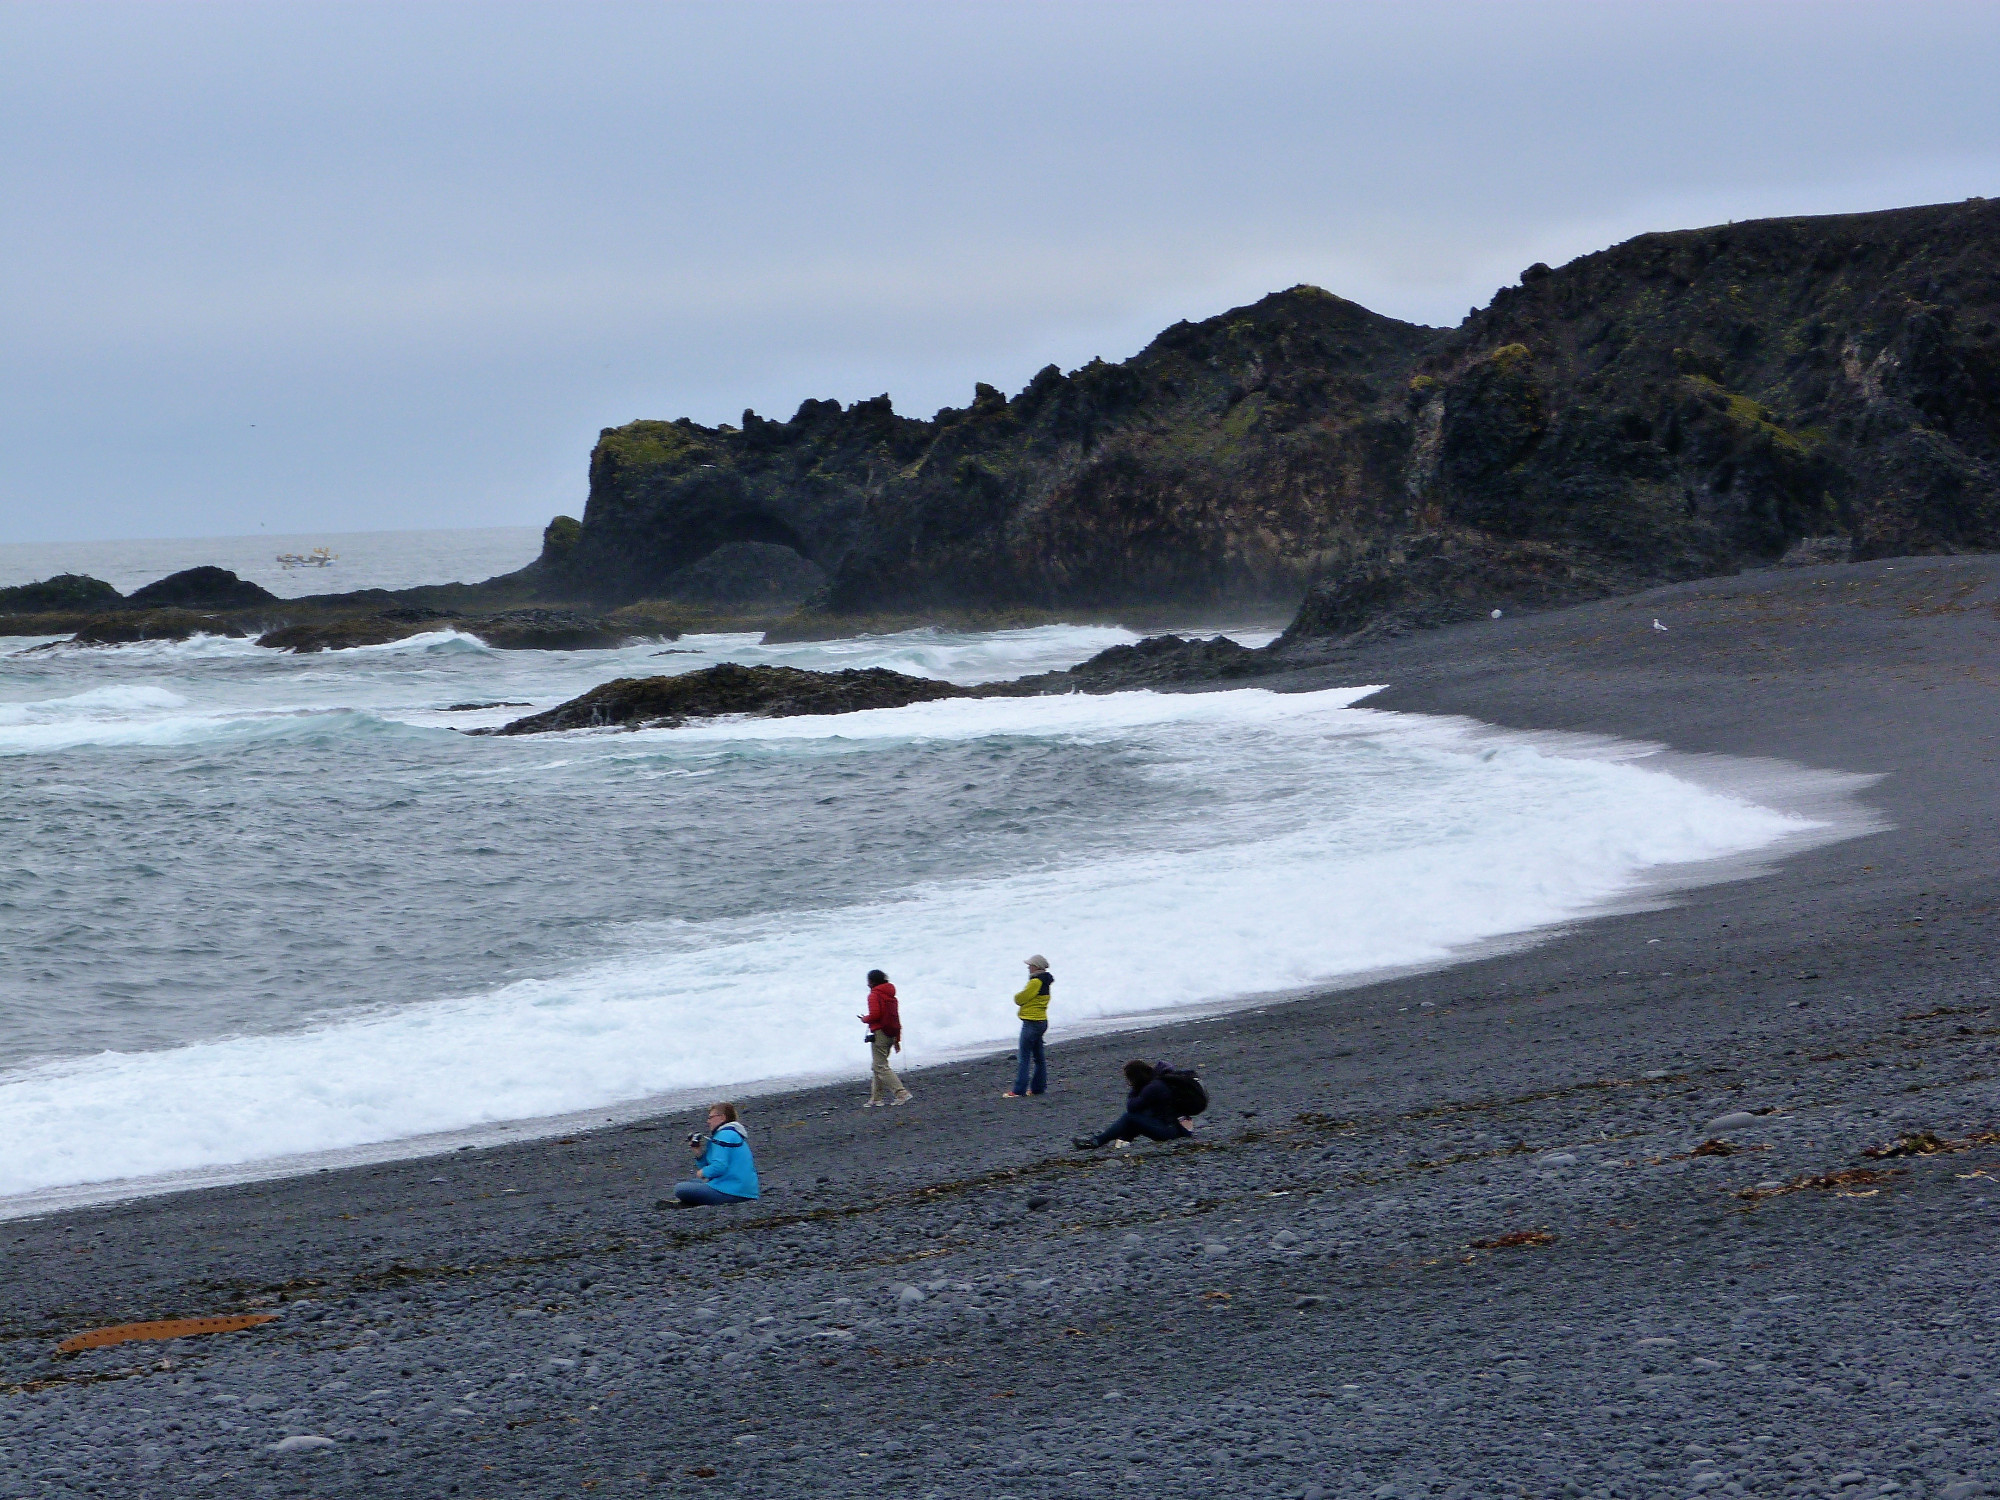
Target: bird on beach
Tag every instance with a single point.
(1658, 626)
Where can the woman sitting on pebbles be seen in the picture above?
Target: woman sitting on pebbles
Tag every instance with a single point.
(725, 1173)
(1150, 1110)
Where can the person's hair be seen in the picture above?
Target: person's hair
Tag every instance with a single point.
(728, 1110)
(876, 976)
(1138, 1074)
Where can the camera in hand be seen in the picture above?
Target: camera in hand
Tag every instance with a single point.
(696, 1140)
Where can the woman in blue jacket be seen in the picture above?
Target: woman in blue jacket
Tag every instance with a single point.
(725, 1173)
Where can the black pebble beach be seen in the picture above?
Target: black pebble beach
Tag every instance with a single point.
(1594, 1217)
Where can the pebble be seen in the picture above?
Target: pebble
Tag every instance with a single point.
(909, 1296)
(1557, 1159)
(1735, 1120)
(303, 1442)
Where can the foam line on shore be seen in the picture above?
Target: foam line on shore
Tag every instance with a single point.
(1558, 830)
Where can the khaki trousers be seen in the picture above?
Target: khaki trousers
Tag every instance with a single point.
(885, 1084)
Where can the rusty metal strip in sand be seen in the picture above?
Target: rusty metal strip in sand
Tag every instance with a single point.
(168, 1328)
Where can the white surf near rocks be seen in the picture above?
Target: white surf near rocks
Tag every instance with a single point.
(1168, 850)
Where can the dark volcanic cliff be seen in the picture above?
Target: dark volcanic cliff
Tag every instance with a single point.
(1224, 462)
(1687, 402)
(1679, 405)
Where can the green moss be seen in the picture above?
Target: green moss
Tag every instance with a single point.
(560, 536)
(640, 445)
(1510, 357)
(1242, 418)
(1754, 415)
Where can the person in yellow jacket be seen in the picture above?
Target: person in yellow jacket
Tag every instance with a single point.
(1031, 1077)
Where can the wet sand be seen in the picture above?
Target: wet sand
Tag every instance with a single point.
(1440, 1235)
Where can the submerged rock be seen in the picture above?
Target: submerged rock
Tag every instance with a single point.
(760, 692)
(153, 625)
(1157, 661)
(358, 630)
(545, 630)
(516, 630)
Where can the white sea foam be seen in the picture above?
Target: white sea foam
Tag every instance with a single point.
(106, 702)
(1431, 836)
(430, 642)
(173, 731)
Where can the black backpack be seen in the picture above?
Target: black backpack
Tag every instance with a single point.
(1190, 1098)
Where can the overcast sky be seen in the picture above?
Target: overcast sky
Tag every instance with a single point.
(325, 267)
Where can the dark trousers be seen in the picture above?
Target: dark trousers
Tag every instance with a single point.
(1032, 1076)
(1129, 1125)
(701, 1193)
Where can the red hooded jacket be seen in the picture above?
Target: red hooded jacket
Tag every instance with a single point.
(882, 1012)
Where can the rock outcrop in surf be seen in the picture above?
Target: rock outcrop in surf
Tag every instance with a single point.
(65, 591)
(513, 630)
(729, 689)
(200, 588)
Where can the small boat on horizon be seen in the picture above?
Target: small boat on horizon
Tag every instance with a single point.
(319, 557)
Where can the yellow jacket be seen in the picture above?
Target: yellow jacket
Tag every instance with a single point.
(1033, 1002)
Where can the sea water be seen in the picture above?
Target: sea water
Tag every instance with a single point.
(362, 559)
(258, 904)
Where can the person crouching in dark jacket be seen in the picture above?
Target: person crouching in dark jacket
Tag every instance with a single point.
(1149, 1111)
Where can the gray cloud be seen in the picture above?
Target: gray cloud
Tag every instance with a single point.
(428, 250)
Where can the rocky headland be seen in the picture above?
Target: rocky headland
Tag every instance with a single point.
(1682, 405)
(1679, 406)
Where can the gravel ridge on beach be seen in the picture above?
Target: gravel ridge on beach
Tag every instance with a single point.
(1593, 1216)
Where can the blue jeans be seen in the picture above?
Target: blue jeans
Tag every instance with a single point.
(1032, 1057)
(1128, 1125)
(701, 1192)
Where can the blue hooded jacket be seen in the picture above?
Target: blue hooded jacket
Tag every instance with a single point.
(725, 1162)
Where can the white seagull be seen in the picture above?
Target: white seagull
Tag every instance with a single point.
(1657, 625)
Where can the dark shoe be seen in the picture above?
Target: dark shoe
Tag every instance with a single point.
(1084, 1143)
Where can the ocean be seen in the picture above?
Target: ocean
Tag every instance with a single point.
(362, 559)
(258, 906)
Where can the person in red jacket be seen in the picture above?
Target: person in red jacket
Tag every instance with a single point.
(885, 1035)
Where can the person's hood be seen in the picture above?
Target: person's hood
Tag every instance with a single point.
(735, 1125)
(1047, 976)
(885, 987)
